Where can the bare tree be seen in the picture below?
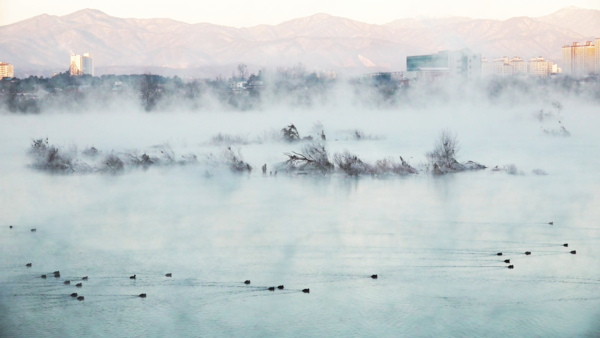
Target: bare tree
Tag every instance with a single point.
(312, 156)
(149, 92)
(242, 71)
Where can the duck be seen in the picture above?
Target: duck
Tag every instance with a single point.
(374, 276)
(28, 265)
(306, 290)
(499, 254)
(169, 275)
(574, 252)
(507, 261)
(74, 294)
(67, 282)
(56, 272)
(247, 282)
(566, 245)
(84, 278)
(280, 287)
(272, 288)
(57, 275)
(79, 285)
(80, 298)
(132, 277)
(33, 230)
(44, 276)
(528, 253)
(10, 227)
(551, 223)
(142, 295)
(511, 266)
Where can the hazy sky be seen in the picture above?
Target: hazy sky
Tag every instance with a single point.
(244, 13)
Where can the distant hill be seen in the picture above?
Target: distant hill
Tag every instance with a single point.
(44, 43)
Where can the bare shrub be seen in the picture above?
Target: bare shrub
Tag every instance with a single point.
(313, 156)
(511, 169)
(49, 158)
(112, 164)
(234, 160)
(562, 131)
(227, 139)
(442, 159)
(359, 135)
(91, 152)
(351, 165)
(389, 165)
(290, 133)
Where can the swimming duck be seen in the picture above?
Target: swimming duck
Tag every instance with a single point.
(511, 266)
(499, 254)
(247, 281)
(272, 288)
(574, 252)
(374, 276)
(132, 277)
(84, 278)
(56, 272)
(78, 285)
(143, 295)
(57, 275)
(528, 253)
(11, 226)
(169, 275)
(80, 298)
(28, 265)
(74, 294)
(306, 290)
(43, 276)
(551, 223)
(280, 287)
(566, 245)
(33, 230)
(67, 282)
(507, 261)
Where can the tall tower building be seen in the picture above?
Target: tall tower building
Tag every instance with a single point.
(82, 65)
(579, 60)
(6, 70)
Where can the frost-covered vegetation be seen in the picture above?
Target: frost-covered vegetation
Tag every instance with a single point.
(442, 158)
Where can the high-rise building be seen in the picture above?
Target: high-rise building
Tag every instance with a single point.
(598, 56)
(6, 70)
(463, 63)
(498, 67)
(540, 67)
(82, 65)
(519, 67)
(579, 60)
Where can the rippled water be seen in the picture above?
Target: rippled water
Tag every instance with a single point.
(432, 241)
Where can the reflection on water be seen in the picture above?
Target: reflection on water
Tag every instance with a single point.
(432, 241)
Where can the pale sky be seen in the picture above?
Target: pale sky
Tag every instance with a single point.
(245, 13)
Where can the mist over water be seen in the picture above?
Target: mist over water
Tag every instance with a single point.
(432, 240)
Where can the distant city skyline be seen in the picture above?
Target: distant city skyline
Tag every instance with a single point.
(238, 13)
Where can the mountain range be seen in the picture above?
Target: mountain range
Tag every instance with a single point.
(42, 44)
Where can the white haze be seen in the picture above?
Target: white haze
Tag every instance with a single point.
(327, 233)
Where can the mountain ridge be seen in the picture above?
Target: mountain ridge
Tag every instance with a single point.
(320, 41)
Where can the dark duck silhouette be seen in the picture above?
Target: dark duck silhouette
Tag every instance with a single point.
(280, 287)
(43, 276)
(28, 265)
(78, 285)
(84, 278)
(132, 277)
(272, 288)
(499, 254)
(169, 275)
(80, 298)
(74, 294)
(528, 253)
(374, 276)
(511, 266)
(67, 282)
(566, 245)
(574, 252)
(33, 230)
(142, 295)
(306, 290)
(11, 226)
(247, 282)
(507, 261)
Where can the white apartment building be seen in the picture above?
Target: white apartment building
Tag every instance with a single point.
(462, 63)
(579, 60)
(82, 65)
(516, 66)
(6, 70)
